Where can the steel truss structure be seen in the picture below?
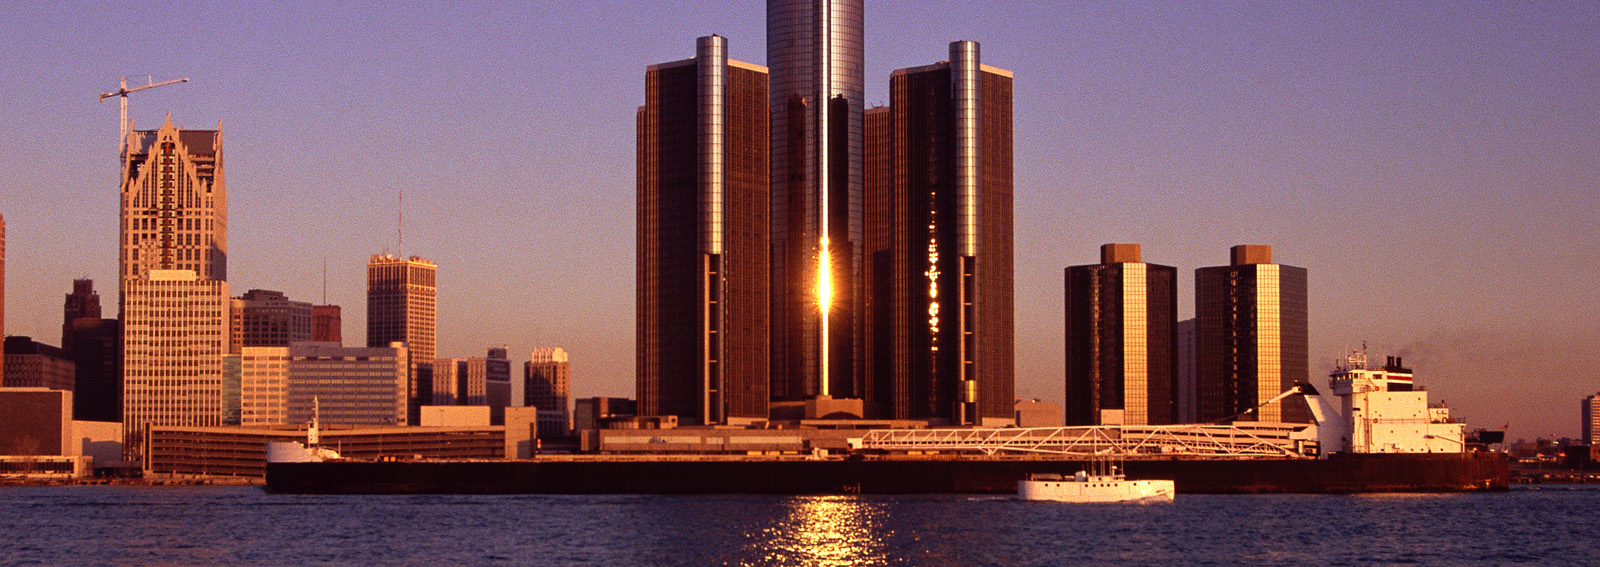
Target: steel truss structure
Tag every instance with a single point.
(1264, 440)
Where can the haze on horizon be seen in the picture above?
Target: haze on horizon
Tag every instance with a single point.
(1433, 165)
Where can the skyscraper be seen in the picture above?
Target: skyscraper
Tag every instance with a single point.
(1251, 338)
(702, 342)
(1121, 320)
(547, 379)
(939, 171)
(172, 270)
(401, 307)
(92, 343)
(1590, 419)
(815, 56)
(174, 203)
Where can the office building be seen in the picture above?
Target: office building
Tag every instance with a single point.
(401, 307)
(702, 342)
(815, 57)
(547, 382)
(1121, 343)
(268, 318)
(939, 232)
(460, 382)
(327, 326)
(339, 385)
(32, 364)
(1187, 380)
(1590, 418)
(1251, 338)
(498, 386)
(174, 204)
(174, 337)
(92, 343)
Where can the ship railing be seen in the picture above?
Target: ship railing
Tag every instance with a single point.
(1254, 441)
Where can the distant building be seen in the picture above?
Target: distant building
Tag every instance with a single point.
(1187, 395)
(591, 413)
(460, 382)
(175, 335)
(32, 364)
(326, 324)
(39, 438)
(264, 318)
(2, 285)
(939, 285)
(1591, 419)
(497, 384)
(344, 385)
(547, 379)
(1037, 413)
(402, 307)
(702, 336)
(94, 346)
(1121, 319)
(1251, 338)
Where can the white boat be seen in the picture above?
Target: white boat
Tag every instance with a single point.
(1084, 487)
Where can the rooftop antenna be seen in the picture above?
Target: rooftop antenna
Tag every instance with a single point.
(122, 93)
(324, 279)
(401, 252)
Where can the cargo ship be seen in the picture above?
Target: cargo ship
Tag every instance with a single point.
(1374, 432)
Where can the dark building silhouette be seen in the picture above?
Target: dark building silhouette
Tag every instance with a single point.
(93, 344)
(939, 233)
(547, 384)
(1121, 343)
(32, 364)
(1251, 338)
(702, 343)
(815, 52)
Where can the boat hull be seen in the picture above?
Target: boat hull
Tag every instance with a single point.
(1354, 474)
(1097, 490)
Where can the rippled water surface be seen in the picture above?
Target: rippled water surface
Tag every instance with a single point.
(245, 526)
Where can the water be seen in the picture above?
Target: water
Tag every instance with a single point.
(96, 525)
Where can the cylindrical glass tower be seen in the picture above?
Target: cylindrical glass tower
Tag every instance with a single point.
(814, 54)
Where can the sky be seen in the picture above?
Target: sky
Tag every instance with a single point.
(1435, 166)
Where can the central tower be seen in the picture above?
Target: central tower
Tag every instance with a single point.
(814, 55)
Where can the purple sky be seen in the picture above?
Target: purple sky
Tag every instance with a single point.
(1435, 166)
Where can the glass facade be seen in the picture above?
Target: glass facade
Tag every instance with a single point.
(1251, 338)
(815, 56)
(1121, 343)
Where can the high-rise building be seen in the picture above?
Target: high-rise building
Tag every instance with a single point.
(2, 285)
(1591, 419)
(338, 385)
(702, 342)
(547, 378)
(815, 56)
(32, 364)
(174, 337)
(939, 236)
(1187, 380)
(92, 343)
(174, 204)
(1121, 321)
(326, 324)
(1251, 338)
(173, 267)
(401, 307)
(497, 384)
(268, 318)
(461, 382)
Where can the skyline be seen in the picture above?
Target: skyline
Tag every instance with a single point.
(1426, 164)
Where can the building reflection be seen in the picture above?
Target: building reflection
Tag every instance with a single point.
(826, 530)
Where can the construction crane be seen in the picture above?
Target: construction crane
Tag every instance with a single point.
(122, 92)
